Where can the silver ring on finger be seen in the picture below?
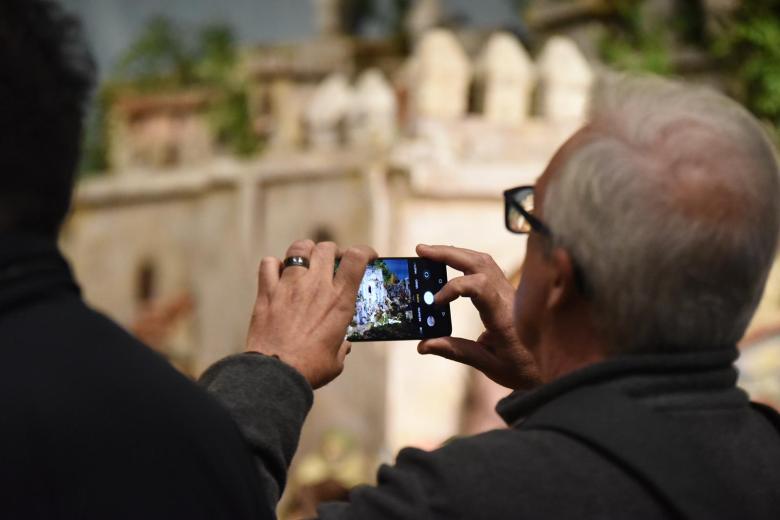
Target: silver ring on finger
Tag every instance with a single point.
(296, 261)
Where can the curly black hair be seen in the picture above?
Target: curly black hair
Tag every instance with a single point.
(46, 77)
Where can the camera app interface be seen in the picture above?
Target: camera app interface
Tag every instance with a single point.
(395, 301)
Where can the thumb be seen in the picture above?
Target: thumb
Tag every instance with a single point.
(461, 350)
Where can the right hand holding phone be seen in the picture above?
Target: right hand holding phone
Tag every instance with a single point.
(301, 314)
(497, 352)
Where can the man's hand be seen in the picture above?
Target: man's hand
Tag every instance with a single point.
(301, 315)
(497, 352)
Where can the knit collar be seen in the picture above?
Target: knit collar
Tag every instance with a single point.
(31, 268)
(712, 368)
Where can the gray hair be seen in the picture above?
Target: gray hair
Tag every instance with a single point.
(671, 212)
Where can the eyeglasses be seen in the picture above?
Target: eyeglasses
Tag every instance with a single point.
(519, 218)
(518, 212)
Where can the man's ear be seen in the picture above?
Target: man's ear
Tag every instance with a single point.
(563, 286)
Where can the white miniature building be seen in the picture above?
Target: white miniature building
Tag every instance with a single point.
(372, 295)
(439, 77)
(566, 78)
(325, 116)
(161, 131)
(374, 112)
(506, 77)
(287, 104)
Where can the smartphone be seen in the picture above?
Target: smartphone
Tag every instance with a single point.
(395, 301)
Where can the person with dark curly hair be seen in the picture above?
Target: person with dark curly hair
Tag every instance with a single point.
(93, 424)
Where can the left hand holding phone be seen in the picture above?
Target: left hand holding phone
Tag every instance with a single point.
(301, 313)
(498, 352)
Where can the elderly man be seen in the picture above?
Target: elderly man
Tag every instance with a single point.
(650, 236)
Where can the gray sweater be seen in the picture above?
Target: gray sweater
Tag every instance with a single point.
(517, 473)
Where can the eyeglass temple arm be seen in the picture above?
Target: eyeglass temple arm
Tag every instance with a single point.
(536, 224)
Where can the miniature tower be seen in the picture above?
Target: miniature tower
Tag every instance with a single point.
(440, 74)
(506, 77)
(566, 79)
(374, 111)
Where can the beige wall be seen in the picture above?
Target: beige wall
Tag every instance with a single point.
(295, 208)
(191, 242)
(425, 393)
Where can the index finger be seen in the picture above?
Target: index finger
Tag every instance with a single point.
(352, 268)
(464, 260)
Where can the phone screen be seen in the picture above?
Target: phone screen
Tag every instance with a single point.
(395, 301)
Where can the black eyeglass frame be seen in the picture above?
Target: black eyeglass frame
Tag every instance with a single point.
(538, 226)
(535, 223)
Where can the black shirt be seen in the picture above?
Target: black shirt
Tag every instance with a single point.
(93, 424)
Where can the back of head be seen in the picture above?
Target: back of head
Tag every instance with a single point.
(671, 212)
(46, 74)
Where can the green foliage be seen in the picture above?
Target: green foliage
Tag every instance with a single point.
(649, 54)
(215, 66)
(742, 47)
(391, 15)
(750, 45)
(636, 42)
(161, 61)
(232, 123)
(160, 58)
(217, 56)
(387, 273)
(157, 59)
(746, 48)
(690, 22)
(94, 158)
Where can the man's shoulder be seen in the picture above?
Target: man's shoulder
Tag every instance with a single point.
(525, 471)
(508, 440)
(497, 458)
(62, 351)
(115, 421)
(67, 331)
(505, 447)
